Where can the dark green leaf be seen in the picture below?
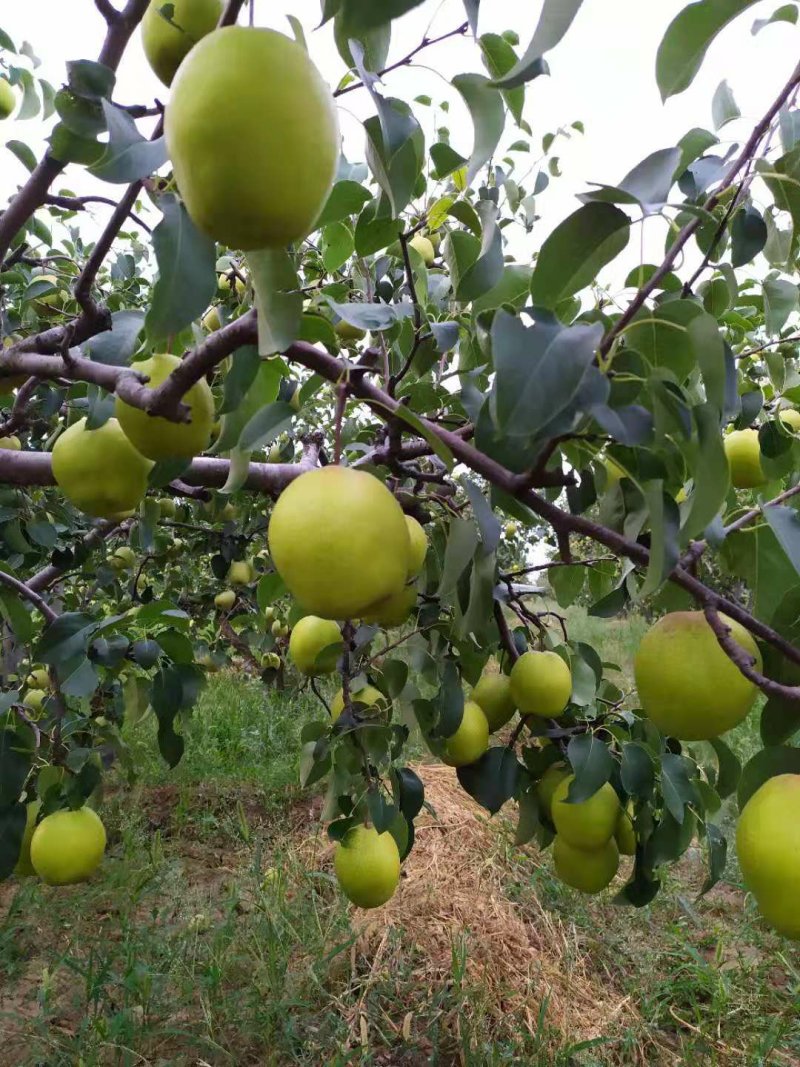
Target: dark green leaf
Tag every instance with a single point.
(12, 829)
(15, 764)
(677, 787)
(347, 198)
(23, 153)
(117, 345)
(279, 303)
(266, 425)
(730, 769)
(492, 780)
(554, 21)
(577, 250)
(785, 13)
(485, 105)
(778, 759)
(187, 277)
(487, 269)
(637, 772)
(681, 52)
(128, 156)
(723, 106)
(717, 856)
(592, 765)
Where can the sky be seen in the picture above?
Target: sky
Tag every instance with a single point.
(602, 75)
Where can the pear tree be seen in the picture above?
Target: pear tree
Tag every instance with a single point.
(355, 424)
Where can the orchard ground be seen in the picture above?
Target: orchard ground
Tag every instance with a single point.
(214, 932)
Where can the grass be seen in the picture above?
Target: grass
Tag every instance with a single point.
(214, 933)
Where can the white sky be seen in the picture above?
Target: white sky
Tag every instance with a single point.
(602, 74)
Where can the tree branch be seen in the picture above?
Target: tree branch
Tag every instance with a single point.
(96, 536)
(404, 62)
(692, 227)
(744, 660)
(79, 203)
(30, 595)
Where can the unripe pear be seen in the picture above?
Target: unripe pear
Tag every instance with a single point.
(768, 846)
(418, 546)
(541, 684)
(790, 417)
(590, 823)
(588, 870)
(311, 637)
(424, 247)
(493, 695)
(67, 846)
(240, 572)
(8, 99)
(470, 740)
(625, 833)
(367, 866)
(348, 332)
(12, 443)
(744, 459)
(225, 600)
(166, 45)
(24, 867)
(547, 785)
(687, 685)
(393, 610)
(368, 695)
(100, 471)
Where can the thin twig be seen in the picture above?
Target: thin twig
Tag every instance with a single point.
(30, 595)
(426, 42)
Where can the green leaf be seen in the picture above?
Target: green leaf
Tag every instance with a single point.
(265, 426)
(709, 350)
(780, 300)
(785, 524)
(730, 769)
(128, 157)
(462, 541)
(766, 764)
(486, 271)
(445, 160)
(117, 345)
(647, 185)
(92, 80)
(347, 198)
(270, 588)
(23, 153)
(360, 15)
(566, 583)
(512, 288)
(592, 765)
(492, 780)
(636, 771)
(12, 830)
(785, 13)
(449, 701)
(337, 245)
(485, 105)
(500, 58)
(488, 524)
(278, 299)
(539, 371)
(683, 48)
(724, 108)
(661, 336)
(244, 366)
(710, 470)
(556, 18)
(748, 235)
(15, 764)
(782, 178)
(577, 250)
(676, 785)
(187, 278)
(375, 317)
(69, 147)
(717, 856)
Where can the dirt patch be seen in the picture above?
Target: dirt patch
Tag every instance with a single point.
(527, 968)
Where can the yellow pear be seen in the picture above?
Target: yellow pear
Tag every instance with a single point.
(159, 438)
(67, 846)
(38, 679)
(470, 740)
(211, 320)
(99, 471)
(310, 638)
(253, 137)
(8, 99)
(225, 285)
(240, 572)
(588, 870)
(547, 785)
(744, 459)
(367, 866)
(24, 867)
(790, 417)
(339, 540)
(687, 685)
(590, 823)
(541, 684)
(34, 699)
(493, 695)
(348, 332)
(424, 247)
(225, 600)
(768, 846)
(368, 695)
(165, 45)
(13, 443)
(393, 610)
(125, 557)
(510, 529)
(167, 508)
(418, 546)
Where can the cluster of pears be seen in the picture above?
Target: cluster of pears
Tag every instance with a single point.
(540, 683)
(590, 834)
(63, 848)
(251, 126)
(343, 547)
(687, 685)
(104, 472)
(38, 686)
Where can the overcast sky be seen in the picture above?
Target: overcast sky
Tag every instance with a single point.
(602, 74)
